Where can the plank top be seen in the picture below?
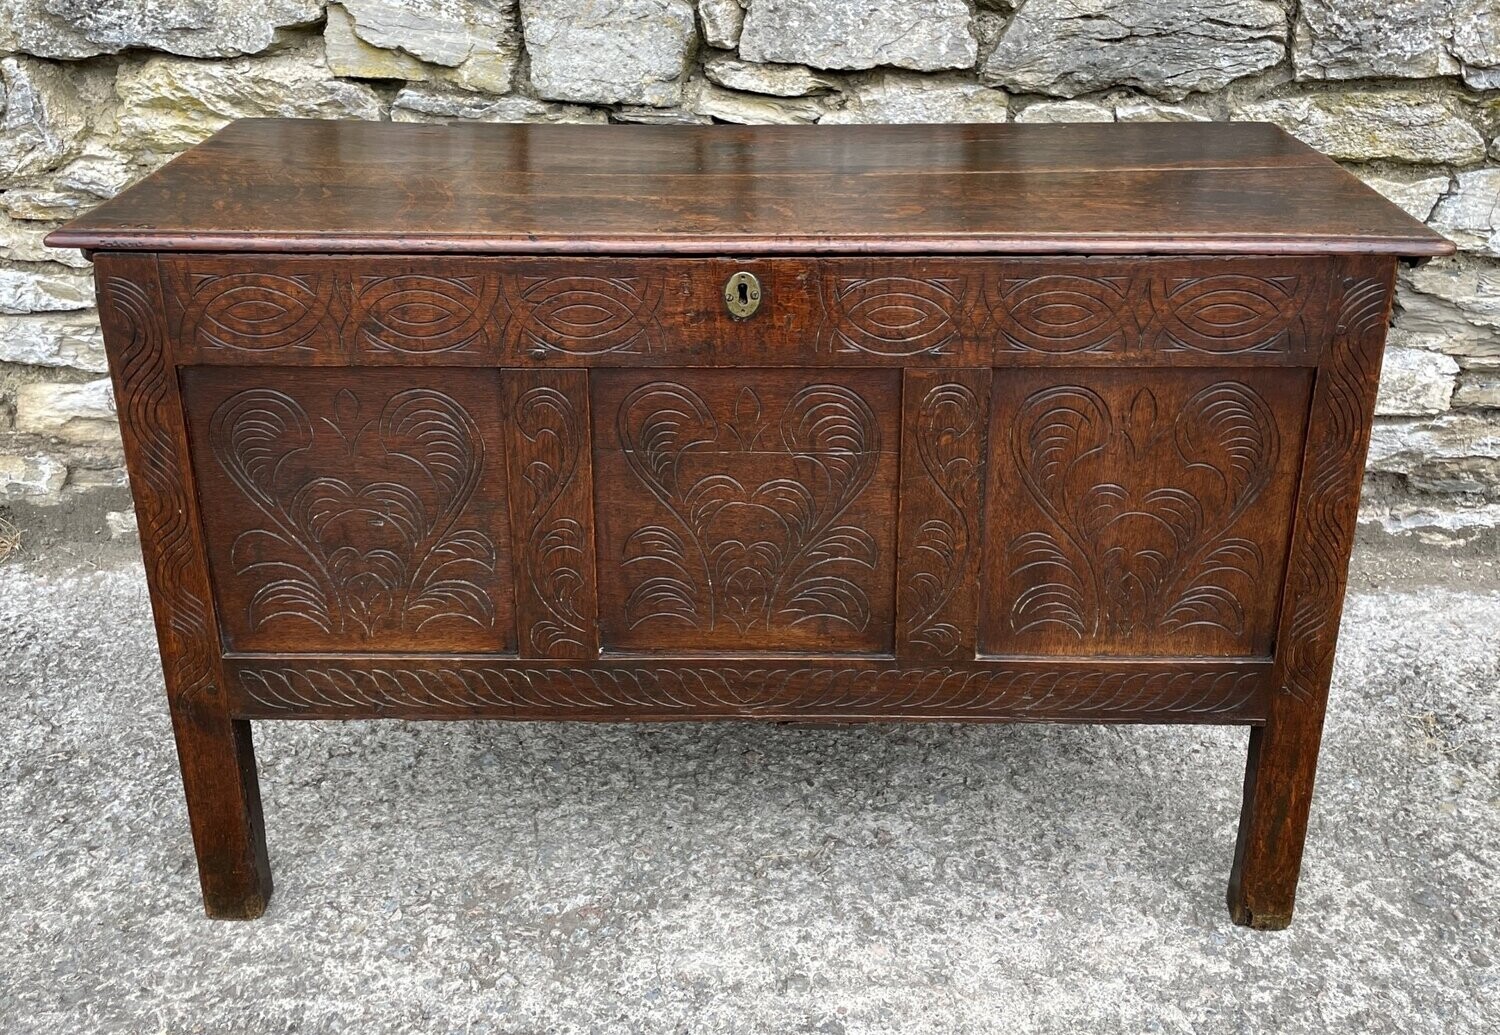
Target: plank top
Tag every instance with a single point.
(291, 185)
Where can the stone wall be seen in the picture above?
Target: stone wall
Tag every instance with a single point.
(96, 93)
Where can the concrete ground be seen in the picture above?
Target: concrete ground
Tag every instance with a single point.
(534, 878)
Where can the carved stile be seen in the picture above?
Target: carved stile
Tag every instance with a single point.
(552, 514)
(1328, 504)
(944, 452)
(130, 309)
(213, 746)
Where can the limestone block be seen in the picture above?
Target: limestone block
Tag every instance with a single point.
(170, 104)
(1413, 39)
(70, 339)
(1417, 192)
(722, 22)
(1454, 452)
(32, 478)
(903, 97)
(926, 35)
(44, 289)
(81, 414)
(1470, 213)
(1065, 111)
(1168, 48)
(43, 117)
(1367, 125)
(439, 104)
(191, 28)
(1451, 306)
(777, 80)
(749, 109)
(1415, 381)
(627, 52)
(470, 43)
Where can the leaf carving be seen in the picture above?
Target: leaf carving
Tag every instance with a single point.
(795, 565)
(357, 559)
(948, 440)
(1121, 550)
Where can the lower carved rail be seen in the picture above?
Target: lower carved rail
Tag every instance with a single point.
(487, 687)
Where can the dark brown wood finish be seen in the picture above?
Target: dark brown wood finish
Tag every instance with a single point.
(1140, 516)
(354, 515)
(447, 311)
(1284, 750)
(550, 475)
(552, 513)
(746, 510)
(945, 453)
(213, 743)
(306, 186)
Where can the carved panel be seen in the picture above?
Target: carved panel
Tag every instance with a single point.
(1193, 311)
(856, 312)
(1227, 313)
(1058, 314)
(832, 689)
(1130, 518)
(746, 510)
(354, 511)
(944, 451)
(552, 517)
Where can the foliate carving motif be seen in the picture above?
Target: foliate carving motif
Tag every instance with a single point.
(949, 438)
(750, 554)
(1141, 509)
(553, 546)
(354, 557)
(991, 690)
(583, 315)
(151, 424)
(893, 315)
(1329, 498)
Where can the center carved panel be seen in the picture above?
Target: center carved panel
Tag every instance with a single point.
(354, 512)
(746, 510)
(1136, 517)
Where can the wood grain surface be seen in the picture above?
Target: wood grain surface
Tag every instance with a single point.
(311, 186)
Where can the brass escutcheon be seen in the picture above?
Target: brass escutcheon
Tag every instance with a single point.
(742, 295)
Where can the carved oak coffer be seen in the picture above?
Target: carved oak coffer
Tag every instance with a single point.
(952, 423)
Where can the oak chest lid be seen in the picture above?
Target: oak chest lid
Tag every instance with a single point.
(289, 185)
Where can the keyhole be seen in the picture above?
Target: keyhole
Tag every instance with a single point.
(742, 295)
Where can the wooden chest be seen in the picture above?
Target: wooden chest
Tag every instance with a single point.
(957, 423)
